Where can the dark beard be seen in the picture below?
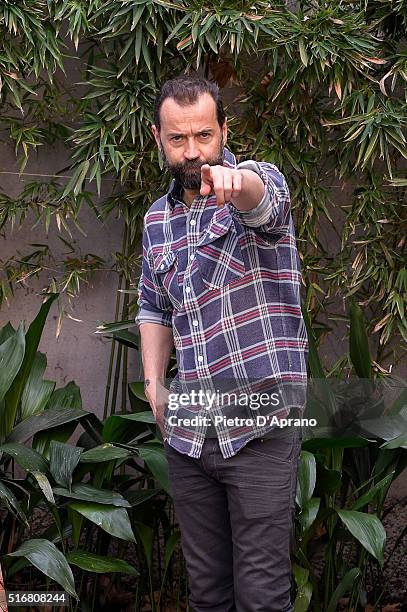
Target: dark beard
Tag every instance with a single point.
(188, 174)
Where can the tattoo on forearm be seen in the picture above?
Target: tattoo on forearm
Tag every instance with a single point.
(147, 382)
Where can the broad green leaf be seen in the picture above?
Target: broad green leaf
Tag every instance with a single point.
(11, 359)
(306, 478)
(367, 529)
(304, 589)
(45, 556)
(6, 332)
(52, 417)
(37, 392)
(140, 496)
(118, 428)
(309, 512)
(12, 503)
(99, 564)
(32, 340)
(105, 452)
(155, 459)
(26, 457)
(63, 459)
(111, 519)
(65, 397)
(45, 486)
(137, 388)
(87, 492)
(386, 427)
(398, 442)
(127, 338)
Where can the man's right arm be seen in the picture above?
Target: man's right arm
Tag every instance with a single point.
(154, 320)
(157, 342)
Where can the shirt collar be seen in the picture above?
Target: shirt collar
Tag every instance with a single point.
(175, 189)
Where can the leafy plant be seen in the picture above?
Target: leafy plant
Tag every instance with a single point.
(90, 504)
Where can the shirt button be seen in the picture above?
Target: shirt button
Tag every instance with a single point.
(162, 266)
(200, 358)
(195, 322)
(192, 222)
(187, 289)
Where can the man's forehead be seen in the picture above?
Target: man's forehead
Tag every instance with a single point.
(200, 114)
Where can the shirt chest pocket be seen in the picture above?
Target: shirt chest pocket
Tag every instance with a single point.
(166, 269)
(218, 255)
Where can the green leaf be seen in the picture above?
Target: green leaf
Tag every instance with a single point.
(303, 52)
(87, 492)
(26, 457)
(104, 452)
(32, 340)
(137, 388)
(6, 332)
(367, 497)
(46, 557)
(109, 518)
(367, 529)
(309, 512)
(306, 478)
(11, 358)
(37, 392)
(399, 442)
(45, 486)
(146, 535)
(304, 588)
(155, 459)
(52, 417)
(345, 585)
(63, 459)
(12, 503)
(99, 564)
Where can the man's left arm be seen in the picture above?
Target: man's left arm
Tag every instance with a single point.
(257, 193)
(271, 213)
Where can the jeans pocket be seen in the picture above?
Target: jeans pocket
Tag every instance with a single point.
(283, 449)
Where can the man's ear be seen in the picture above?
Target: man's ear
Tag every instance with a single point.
(156, 135)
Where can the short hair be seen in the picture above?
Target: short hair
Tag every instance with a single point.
(185, 90)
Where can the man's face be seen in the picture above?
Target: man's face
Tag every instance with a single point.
(190, 136)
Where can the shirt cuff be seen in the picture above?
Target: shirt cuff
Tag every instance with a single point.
(145, 315)
(260, 214)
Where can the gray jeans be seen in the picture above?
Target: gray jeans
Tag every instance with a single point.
(236, 521)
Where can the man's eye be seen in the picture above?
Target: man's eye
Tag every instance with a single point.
(176, 138)
(205, 134)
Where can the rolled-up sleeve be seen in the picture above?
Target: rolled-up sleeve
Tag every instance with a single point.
(272, 214)
(153, 301)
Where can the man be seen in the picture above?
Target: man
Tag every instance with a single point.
(221, 281)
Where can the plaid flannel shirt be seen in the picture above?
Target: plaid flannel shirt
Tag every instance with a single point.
(228, 284)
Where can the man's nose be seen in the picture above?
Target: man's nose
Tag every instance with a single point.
(192, 151)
